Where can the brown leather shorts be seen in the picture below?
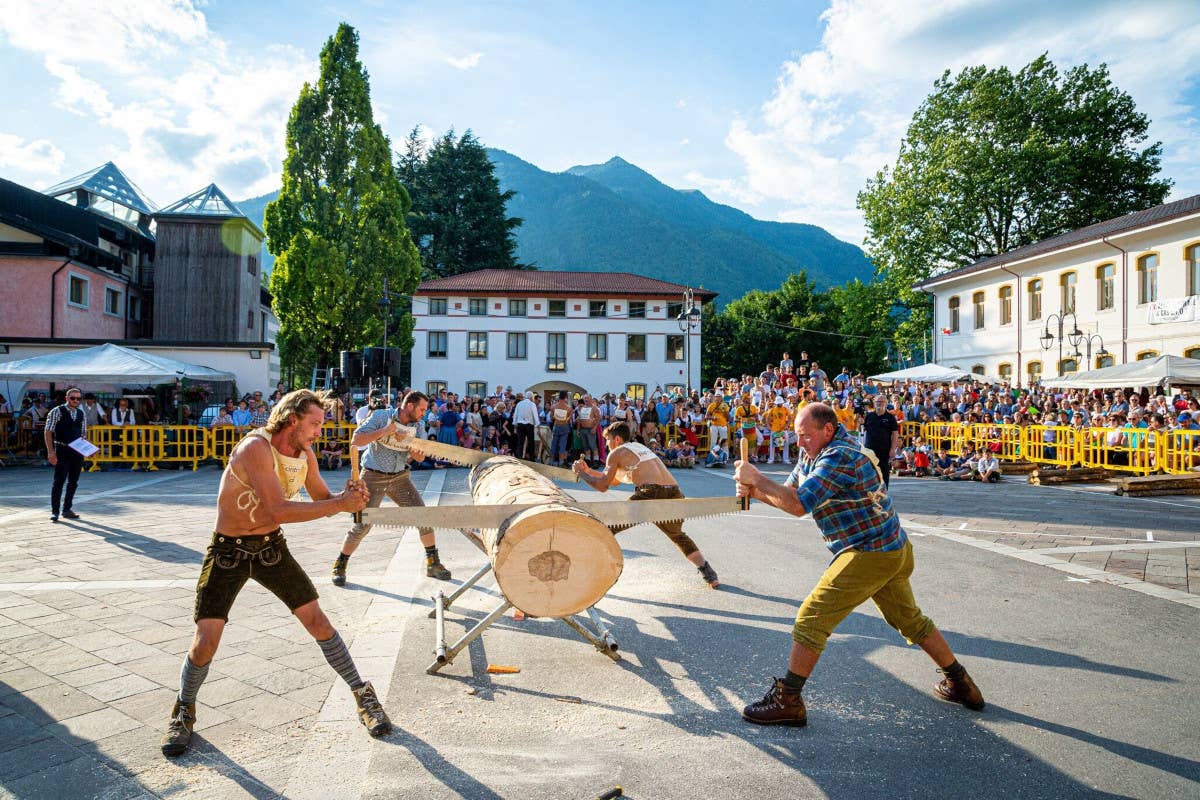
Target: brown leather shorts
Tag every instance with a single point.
(231, 561)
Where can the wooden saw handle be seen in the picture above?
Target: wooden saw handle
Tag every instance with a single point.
(745, 457)
(355, 455)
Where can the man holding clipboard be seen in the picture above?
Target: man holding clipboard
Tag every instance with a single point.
(66, 446)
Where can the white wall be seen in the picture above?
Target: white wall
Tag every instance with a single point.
(996, 344)
(611, 374)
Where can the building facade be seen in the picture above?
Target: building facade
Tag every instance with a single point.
(545, 330)
(1121, 290)
(90, 261)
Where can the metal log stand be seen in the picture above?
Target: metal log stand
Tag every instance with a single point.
(597, 633)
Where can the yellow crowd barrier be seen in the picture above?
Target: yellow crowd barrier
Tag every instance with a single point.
(135, 445)
(948, 435)
(1120, 450)
(1181, 452)
(1055, 445)
(184, 443)
(910, 431)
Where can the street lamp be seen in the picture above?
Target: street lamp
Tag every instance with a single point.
(1074, 337)
(689, 320)
(1088, 341)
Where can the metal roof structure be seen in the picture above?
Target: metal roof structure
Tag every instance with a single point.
(208, 202)
(109, 182)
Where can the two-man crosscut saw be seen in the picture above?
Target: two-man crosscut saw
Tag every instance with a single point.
(610, 513)
(464, 457)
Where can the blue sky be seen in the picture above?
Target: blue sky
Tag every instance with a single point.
(783, 109)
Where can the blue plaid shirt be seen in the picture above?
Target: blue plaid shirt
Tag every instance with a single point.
(843, 491)
(378, 457)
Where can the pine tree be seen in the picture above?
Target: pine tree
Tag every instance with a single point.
(458, 217)
(337, 228)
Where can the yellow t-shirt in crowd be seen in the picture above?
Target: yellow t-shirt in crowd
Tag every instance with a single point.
(746, 416)
(779, 418)
(718, 413)
(847, 417)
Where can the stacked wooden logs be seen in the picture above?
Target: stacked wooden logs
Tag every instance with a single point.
(1045, 476)
(1160, 485)
(1011, 468)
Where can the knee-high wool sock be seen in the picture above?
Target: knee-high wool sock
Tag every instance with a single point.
(190, 678)
(338, 656)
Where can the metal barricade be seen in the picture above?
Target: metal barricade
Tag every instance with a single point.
(184, 443)
(1052, 444)
(1118, 449)
(222, 439)
(135, 445)
(1180, 453)
(948, 435)
(908, 431)
(1007, 442)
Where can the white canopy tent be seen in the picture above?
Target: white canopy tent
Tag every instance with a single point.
(1168, 369)
(931, 373)
(107, 363)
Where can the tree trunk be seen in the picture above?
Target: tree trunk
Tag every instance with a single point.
(551, 561)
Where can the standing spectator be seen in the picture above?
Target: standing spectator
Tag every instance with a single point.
(717, 415)
(819, 379)
(93, 412)
(560, 430)
(745, 418)
(242, 414)
(448, 421)
(65, 424)
(882, 436)
(525, 418)
(786, 363)
(586, 422)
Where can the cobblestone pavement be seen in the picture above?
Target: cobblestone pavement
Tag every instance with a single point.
(95, 615)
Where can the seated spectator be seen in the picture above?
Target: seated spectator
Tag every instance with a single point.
(242, 414)
(718, 455)
(944, 463)
(964, 466)
(987, 468)
(333, 452)
(687, 455)
(916, 459)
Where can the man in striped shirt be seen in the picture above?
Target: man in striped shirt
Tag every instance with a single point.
(840, 485)
(65, 424)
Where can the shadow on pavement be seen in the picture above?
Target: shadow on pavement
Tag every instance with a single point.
(137, 543)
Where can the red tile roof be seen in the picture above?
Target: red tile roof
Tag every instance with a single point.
(549, 282)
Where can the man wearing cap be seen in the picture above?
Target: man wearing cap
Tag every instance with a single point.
(779, 423)
(385, 434)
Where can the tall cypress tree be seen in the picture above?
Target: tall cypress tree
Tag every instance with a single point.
(337, 228)
(458, 217)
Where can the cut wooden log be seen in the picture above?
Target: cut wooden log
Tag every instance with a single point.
(1160, 481)
(1044, 477)
(551, 561)
(1017, 467)
(1184, 492)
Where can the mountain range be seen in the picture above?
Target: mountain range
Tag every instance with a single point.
(617, 217)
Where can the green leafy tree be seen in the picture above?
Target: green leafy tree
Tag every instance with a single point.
(337, 228)
(994, 160)
(458, 217)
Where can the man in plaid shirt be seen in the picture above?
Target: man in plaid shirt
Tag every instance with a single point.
(841, 486)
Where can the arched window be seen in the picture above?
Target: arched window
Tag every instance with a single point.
(1104, 361)
(1005, 371)
(1191, 257)
(1034, 370)
(1105, 286)
(977, 369)
(977, 302)
(1066, 285)
(1147, 269)
(1147, 354)
(953, 305)
(1035, 299)
(1068, 365)
(1005, 305)
(1192, 352)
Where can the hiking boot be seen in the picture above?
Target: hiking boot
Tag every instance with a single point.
(709, 574)
(179, 731)
(434, 568)
(370, 711)
(961, 690)
(339, 573)
(782, 705)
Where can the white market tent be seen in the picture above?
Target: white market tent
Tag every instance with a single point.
(107, 363)
(1168, 369)
(929, 373)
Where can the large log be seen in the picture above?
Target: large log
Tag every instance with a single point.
(1161, 482)
(551, 561)
(1189, 492)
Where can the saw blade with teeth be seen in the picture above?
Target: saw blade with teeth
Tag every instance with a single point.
(612, 514)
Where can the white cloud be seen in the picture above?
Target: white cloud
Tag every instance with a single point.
(465, 62)
(39, 155)
(179, 107)
(839, 112)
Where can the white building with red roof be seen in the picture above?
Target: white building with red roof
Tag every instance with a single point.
(543, 330)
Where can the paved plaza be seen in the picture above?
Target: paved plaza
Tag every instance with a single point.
(1077, 612)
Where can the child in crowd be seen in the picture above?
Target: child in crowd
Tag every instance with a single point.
(944, 463)
(333, 452)
(718, 455)
(687, 455)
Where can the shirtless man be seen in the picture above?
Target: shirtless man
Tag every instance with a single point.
(631, 462)
(257, 494)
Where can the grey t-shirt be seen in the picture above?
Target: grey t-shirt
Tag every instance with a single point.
(379, 456)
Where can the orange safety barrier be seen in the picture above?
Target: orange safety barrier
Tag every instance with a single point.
(1180, 452)
(129, 444)
(1119, 449)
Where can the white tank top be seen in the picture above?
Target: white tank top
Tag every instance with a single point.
(643, 453)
